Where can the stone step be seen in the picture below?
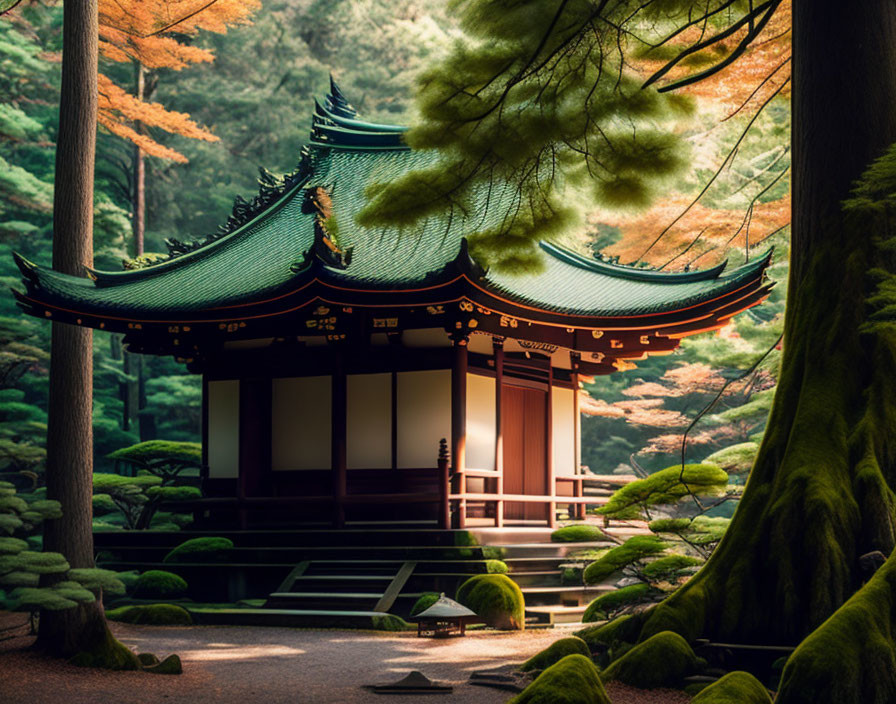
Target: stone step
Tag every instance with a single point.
(292, 618)
(554, 613)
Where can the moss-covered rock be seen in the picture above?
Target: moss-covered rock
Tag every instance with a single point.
(201, 550)
(572, 680)
(734, 688)
(169, 666)
(158, 584)
(496, 599)
(390, 622)
(555, 652)
(151, 615)
(662, 660)
(147, 659)
(606, 604)
(579, 533)
(496, 567)
(426, 600)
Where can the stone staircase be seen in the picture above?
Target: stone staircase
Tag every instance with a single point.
(536, 565)
(353, 577)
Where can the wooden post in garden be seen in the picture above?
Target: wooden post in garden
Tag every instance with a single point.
(444, 485)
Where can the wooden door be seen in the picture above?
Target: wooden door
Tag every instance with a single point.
(523, 428)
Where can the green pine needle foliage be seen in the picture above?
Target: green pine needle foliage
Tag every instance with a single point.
(668, 486)
(607, 604)
(535, 98)
(669, 567)
(147, 454)
(735, 458)
(95, 578)
(635, 548)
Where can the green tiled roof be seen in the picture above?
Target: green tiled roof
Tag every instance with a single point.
(266, 258)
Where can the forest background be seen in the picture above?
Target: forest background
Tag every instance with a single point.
(255, 97)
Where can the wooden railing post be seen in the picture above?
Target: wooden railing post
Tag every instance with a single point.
(444, 486)
(498, 348)
(339, 391)
(459, 422)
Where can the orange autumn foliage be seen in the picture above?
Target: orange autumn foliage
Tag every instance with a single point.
(138, 30)
(703, 235)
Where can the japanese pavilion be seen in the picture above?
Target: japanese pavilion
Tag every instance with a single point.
(335, 359)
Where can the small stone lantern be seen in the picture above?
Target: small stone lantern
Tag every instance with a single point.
(444, 618)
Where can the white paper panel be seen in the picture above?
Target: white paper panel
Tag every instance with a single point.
(301, 420)
(369, 421)
(223, 429)
(563, 431)
(480, 422)
(424, 416)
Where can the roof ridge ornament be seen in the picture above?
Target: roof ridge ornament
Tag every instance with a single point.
(325, 248)
(270, 189)
(336, 102)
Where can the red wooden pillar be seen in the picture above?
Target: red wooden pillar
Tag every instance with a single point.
(574, 358)
(338, 453)
(549, 448)
(254, 440)
(444, 485)
(498, 347)
(459, 423)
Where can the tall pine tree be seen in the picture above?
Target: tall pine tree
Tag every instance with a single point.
(820, 495)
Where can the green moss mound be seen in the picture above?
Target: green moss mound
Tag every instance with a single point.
(582, 533)
(390, 622)
(426, 600)
(555, 652)
(611, 601)
(201, 550)
(662, 660)
(152, 615)
(734, 688)
(158, 584)
(572, 680)
(496, 599)
(496, 567)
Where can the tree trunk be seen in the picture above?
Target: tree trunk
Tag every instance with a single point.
(819, 494)
(69, 472)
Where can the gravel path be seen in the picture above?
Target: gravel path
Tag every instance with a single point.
(243, 665)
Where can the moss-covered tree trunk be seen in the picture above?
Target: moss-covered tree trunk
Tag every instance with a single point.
(819, 495)
(69, 430)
